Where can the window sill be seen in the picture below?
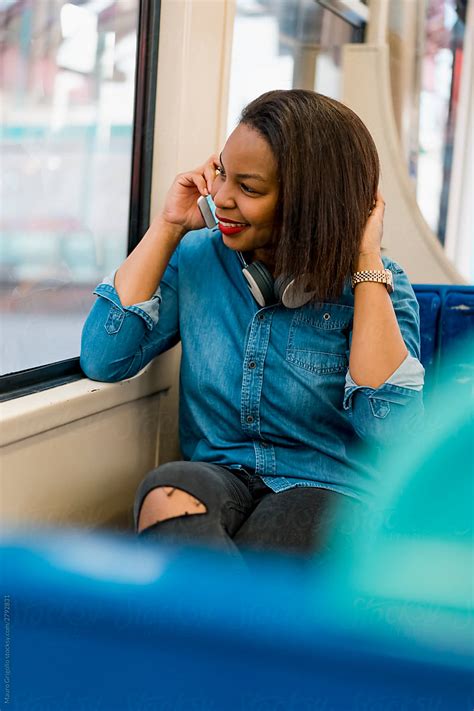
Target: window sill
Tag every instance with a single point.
(42, 411)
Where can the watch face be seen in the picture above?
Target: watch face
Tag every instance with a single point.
(389, 276)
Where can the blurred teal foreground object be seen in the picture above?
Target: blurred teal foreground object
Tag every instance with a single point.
(410, 557)
(385, 622)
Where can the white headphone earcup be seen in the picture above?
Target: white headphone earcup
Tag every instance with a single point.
(260, 283)
(281, 282)
(293, 293)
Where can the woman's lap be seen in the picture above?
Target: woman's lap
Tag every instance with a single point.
(298, 519)
(242, 512)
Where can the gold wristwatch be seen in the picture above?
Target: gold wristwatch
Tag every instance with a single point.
(382, 276)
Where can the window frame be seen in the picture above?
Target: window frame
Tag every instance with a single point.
(51, 375)
(356, 15)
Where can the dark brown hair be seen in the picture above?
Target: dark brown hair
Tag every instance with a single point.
(328, 170)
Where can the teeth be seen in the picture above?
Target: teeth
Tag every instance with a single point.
(233, 224)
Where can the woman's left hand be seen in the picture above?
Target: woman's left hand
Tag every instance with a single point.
(372, 237)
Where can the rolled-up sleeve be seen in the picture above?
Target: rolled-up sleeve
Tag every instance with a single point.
(118, 341)
(380, 415)
(148, 310)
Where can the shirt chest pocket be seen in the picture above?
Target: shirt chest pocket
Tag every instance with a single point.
(318, 338)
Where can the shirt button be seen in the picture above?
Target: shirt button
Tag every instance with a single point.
(326, 317)
(252, 364)
(264, 444)
(261, 317)
(249, 418)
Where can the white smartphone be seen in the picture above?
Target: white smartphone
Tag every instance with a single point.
(207, 208)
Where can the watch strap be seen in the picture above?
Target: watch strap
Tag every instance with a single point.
(381, 276)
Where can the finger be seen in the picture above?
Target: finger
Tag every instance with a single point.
(210, 170)
(378, 207)
(213, 160)
(197, 179)
(210, 175)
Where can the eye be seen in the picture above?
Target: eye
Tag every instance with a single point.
(220, 171)
(246, 188)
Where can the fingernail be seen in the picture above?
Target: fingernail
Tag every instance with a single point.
(205, 191)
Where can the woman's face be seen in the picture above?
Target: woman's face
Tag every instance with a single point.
(245, 192)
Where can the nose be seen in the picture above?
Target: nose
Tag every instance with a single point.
(223, 197)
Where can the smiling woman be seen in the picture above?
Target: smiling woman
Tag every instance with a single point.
(278, 338)
(328, 170)
(245, 193)
(276, 393)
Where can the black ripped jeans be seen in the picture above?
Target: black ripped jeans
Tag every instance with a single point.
(242, 512)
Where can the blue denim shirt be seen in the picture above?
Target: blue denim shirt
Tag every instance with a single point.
(261, 388)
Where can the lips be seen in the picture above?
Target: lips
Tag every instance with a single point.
(231, 227)
(227, 230)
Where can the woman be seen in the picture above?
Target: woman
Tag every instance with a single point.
(276, 397)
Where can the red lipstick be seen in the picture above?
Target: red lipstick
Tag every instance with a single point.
(230, 227)
(226, 230)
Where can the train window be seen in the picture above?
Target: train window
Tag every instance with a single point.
(76, 113)
(297, 43)
(427, 61)
(294, 44)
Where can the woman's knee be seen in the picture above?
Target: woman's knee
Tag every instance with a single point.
(165, 501)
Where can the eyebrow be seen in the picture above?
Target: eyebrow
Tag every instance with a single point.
(246, 176)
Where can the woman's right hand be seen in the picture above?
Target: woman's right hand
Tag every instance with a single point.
(180, 206)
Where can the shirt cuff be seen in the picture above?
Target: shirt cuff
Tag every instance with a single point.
(409, 374)
(147, 310)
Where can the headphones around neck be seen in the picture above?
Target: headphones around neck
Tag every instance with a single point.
(289, 291)
(266, 291)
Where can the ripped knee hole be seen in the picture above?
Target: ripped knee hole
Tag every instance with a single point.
(169, 491)
(150, 512)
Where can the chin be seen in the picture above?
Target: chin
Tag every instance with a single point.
(235, 243)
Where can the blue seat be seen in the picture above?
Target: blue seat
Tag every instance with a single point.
(447, 323)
